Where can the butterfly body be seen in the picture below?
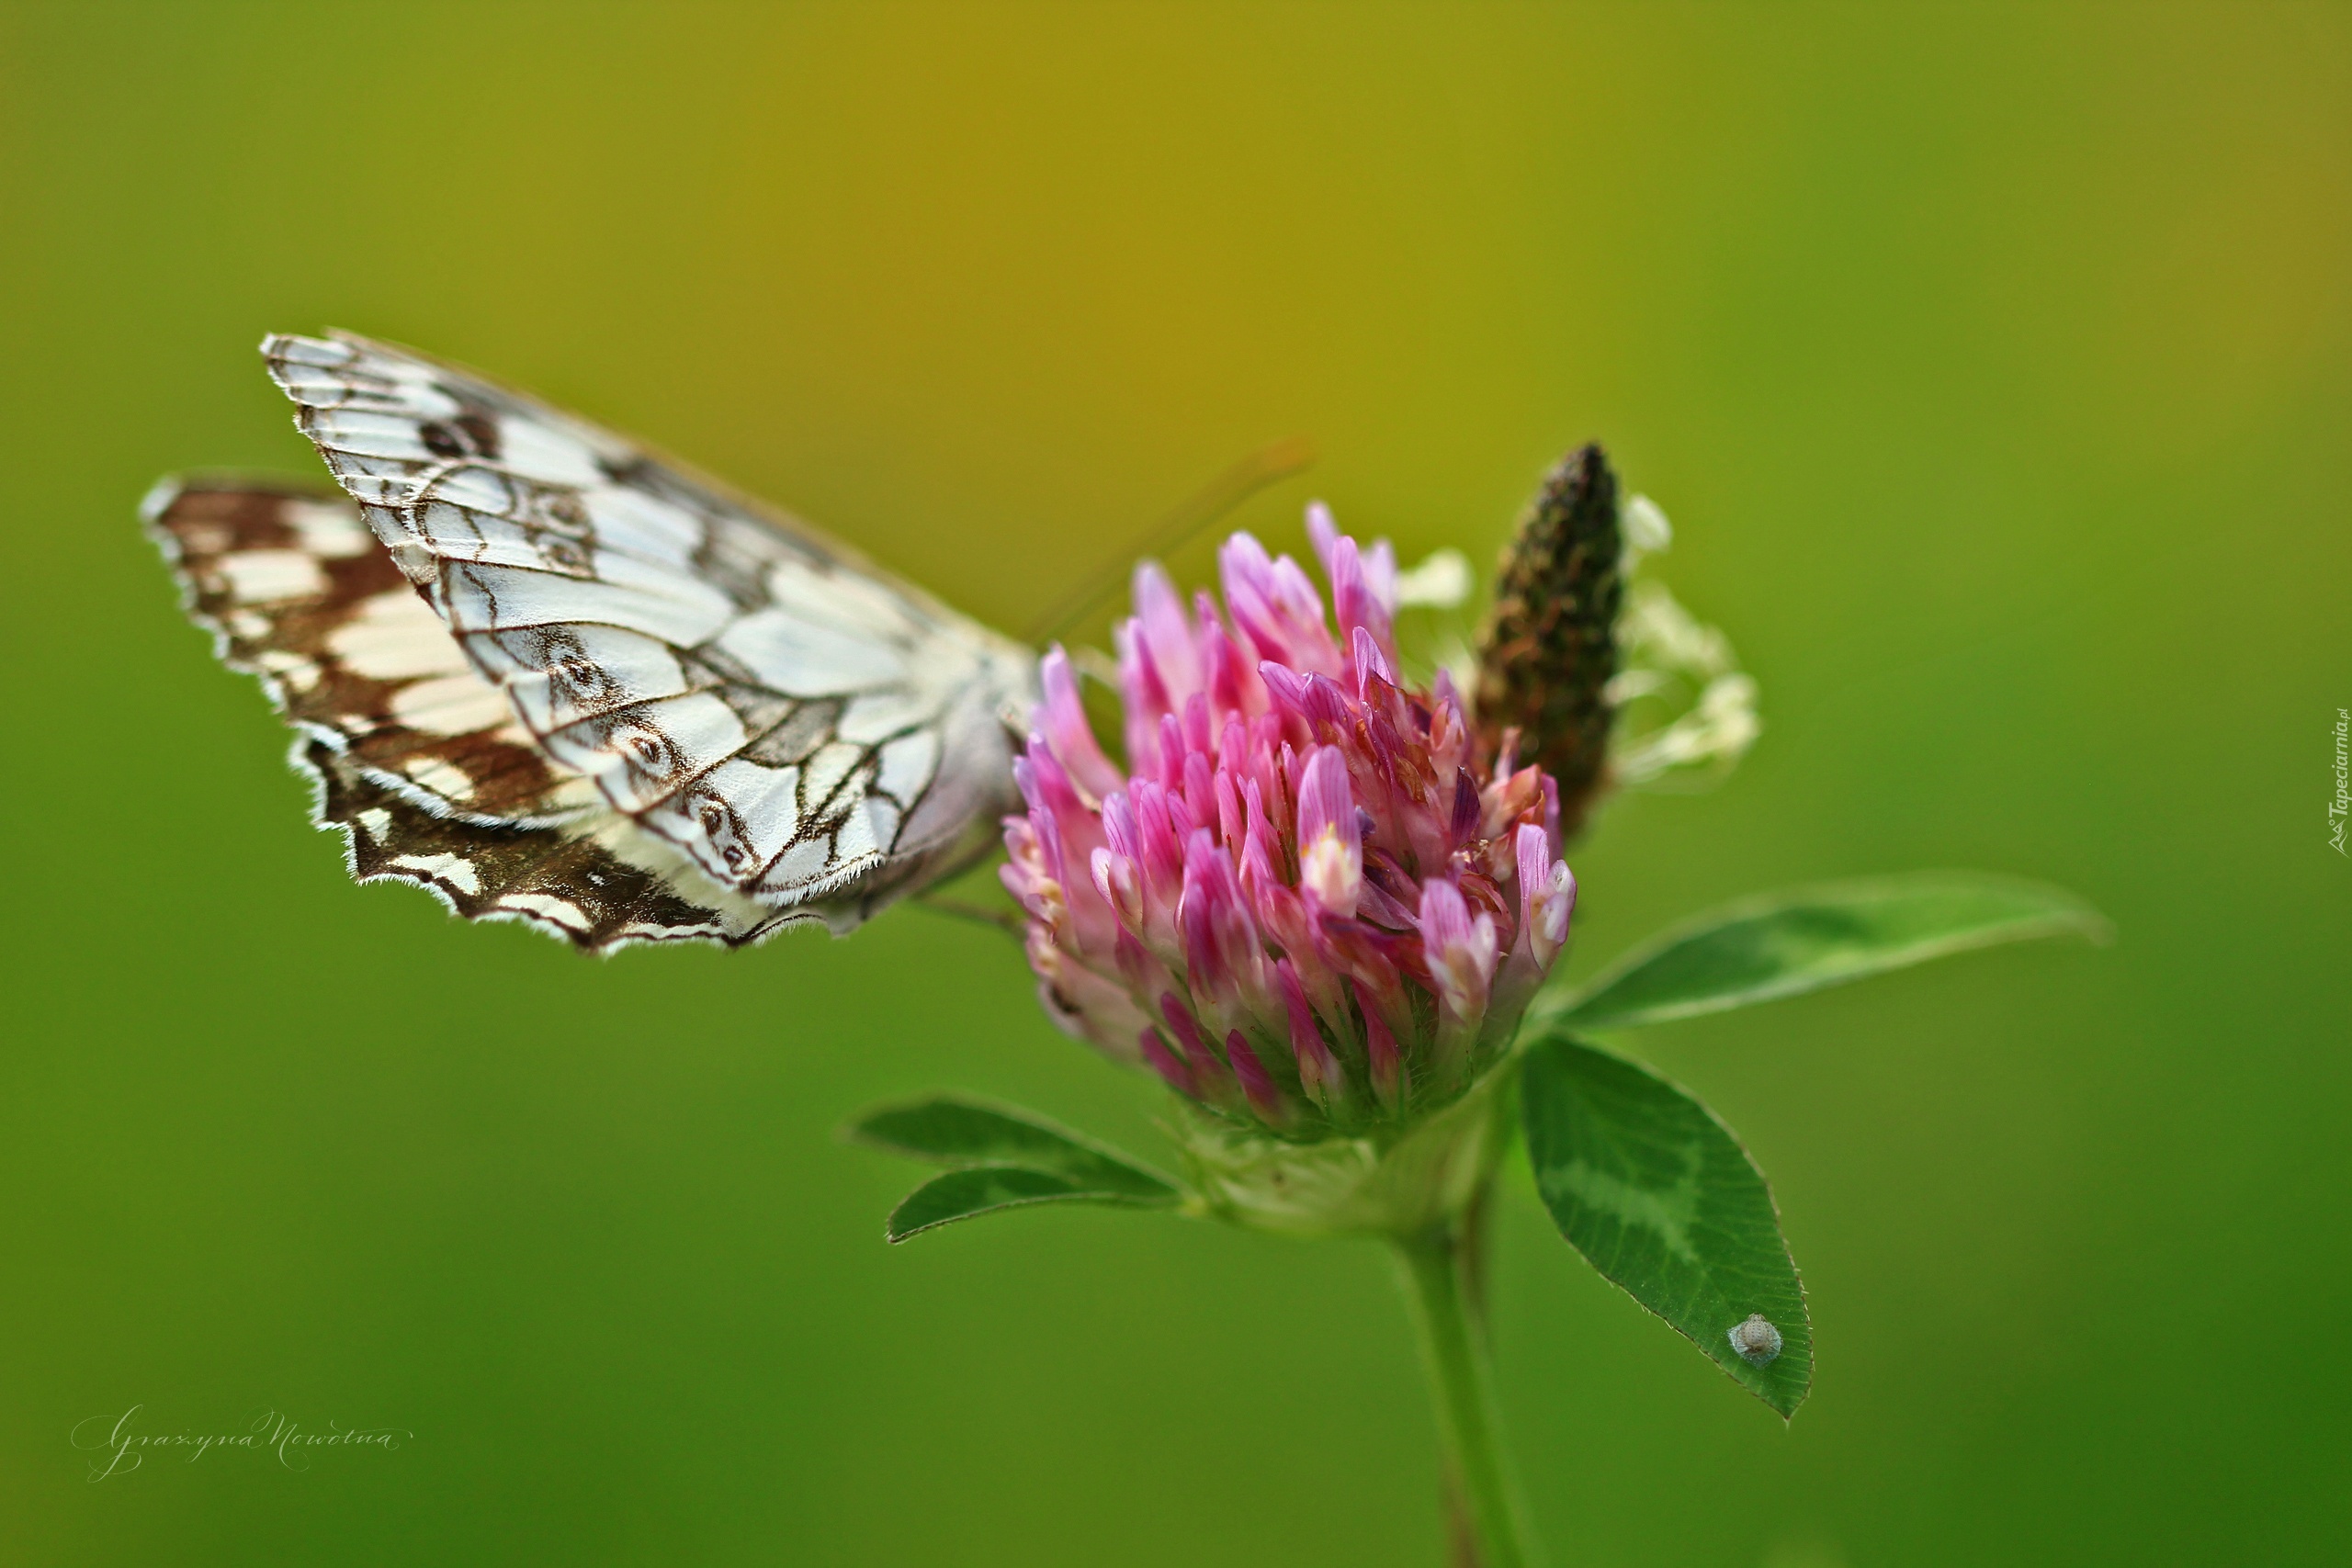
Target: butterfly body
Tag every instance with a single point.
(553, 677)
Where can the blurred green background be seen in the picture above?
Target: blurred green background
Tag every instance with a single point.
(1993, 365)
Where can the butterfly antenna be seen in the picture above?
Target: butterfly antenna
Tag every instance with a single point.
(1211, 501)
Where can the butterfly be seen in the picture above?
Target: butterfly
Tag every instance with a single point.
(550, 676)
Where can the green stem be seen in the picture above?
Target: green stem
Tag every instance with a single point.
(1476, 1465)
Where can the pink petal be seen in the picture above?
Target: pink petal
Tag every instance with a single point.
(1330, 847)
(1319, 1073)
(1547, 895)
(1322, 531)
(1168, 1065)
(1256, 1082)
(1460, 951)
(1061, 717)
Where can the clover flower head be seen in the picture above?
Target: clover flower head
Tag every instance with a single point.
(1312, 900)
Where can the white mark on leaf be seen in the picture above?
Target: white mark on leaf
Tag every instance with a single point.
(1668, 1213)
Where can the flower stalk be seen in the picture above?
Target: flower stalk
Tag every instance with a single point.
(1441, 1267)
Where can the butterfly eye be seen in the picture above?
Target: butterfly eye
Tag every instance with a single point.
(1756, 1339)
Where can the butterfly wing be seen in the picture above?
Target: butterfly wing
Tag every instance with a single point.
(768, 727)
(420, 761)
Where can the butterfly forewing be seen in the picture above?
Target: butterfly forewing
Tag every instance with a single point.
(295, 590)
(527, 625)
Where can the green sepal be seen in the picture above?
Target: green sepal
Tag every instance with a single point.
(1000, 1158)
(1657, 1195)
(1782, 945)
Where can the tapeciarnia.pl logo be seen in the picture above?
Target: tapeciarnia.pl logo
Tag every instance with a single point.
(2337, 809)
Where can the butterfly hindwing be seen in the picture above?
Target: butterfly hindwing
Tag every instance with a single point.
(414, 757)
(602, 888)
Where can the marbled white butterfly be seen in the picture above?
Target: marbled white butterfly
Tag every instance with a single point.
(551, 677)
